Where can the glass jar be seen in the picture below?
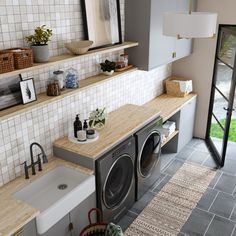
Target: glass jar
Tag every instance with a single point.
(125, 58)
(53, 87)
(72, 78)
(59, 76)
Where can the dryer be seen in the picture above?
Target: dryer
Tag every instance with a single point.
(115, 181)
(148, 158)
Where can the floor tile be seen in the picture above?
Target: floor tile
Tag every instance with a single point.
(198, 156)
(142, 202)
(215, 179)
(233, 215)
(201, 145)
(173, 167)
(127, 220)
(207, 199)
(185, 153)
(197, 223)
(220, 227)
(226, 183)
(230, 166)
(194, 142)
(159, 186)
(223, 205)
(234, 233)
(210, 162)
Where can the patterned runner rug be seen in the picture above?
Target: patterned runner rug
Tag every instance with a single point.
(170, 208)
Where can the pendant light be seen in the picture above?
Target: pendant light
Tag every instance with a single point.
(189, 24)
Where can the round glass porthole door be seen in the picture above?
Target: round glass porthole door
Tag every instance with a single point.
(118, 182)
(149, 154)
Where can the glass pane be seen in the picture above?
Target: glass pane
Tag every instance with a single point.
(223, 78)
(148, 158)
(118, 182)
(218, 108)
(227, 48)
(232, 131)
(216, 134)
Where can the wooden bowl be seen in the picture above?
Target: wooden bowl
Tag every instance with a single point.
(79, 47)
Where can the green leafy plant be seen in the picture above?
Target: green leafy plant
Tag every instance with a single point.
(41, 36)
(108, 65)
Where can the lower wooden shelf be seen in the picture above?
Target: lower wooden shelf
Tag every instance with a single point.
(169, 138)
(43, 99)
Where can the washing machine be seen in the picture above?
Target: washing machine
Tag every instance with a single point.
(115, 181)
(148, 156)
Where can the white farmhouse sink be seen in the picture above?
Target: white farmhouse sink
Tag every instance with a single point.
(55, 194)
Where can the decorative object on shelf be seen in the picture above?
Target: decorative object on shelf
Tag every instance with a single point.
(10, 93)
(189, 24)
(80, 47)
(125, 58)
(72, 78)
(77, 126)
(53, 87)
(88, 140)
(39, 43)
(124, 68)
(178, 87)
(23, 57)
(59, 76)
(108, 67)
(97, 118)
(6, 61)
(91, 133)
(102, 22)
(28, 91)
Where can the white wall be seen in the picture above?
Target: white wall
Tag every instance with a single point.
(199, 66)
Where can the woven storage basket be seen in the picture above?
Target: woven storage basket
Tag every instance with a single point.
(95, 229)
(173, 88)
(6, 62)
(23, 57)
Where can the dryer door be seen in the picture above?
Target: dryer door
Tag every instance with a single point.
(118, 182)
(149, 154)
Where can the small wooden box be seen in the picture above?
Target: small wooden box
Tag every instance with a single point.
(173, 88)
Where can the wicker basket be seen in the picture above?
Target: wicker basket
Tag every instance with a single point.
(23, 57)
(6, 62)
(173, 88)
(95, 229)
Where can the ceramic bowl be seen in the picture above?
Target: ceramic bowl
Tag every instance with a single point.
(79, 47)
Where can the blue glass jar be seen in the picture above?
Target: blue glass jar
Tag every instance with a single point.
(72, 78)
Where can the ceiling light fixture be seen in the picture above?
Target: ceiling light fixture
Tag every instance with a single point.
(189, 24)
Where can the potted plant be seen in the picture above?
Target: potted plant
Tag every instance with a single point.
(97, 118)
(108, 67)
(39, 43)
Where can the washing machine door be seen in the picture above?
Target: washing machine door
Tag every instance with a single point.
(118, 182)
(149, 154)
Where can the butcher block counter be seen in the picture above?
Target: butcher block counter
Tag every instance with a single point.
(120, 124)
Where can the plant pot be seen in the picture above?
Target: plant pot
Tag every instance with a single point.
(40, 53)
(108, 72)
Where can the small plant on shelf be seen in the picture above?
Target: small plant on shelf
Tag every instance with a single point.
(39, 43)
(108, 67)
(97, 118)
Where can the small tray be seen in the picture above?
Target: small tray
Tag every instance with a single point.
(124, 68)
(74, 140)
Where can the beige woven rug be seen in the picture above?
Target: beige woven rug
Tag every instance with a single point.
(170, 208)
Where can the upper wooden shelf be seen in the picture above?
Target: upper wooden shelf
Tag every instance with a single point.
(43, 99)
(69, 57)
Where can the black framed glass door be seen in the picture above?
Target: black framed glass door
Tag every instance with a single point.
(221, 109)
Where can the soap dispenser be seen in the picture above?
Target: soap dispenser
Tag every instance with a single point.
(85, 126)
(77, 126)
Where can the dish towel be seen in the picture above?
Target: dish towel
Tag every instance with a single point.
(113, 230)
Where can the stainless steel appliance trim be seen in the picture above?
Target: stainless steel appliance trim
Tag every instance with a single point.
(105, 182)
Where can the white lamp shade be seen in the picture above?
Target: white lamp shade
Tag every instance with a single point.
(185, 25)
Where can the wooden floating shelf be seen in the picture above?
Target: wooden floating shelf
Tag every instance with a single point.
(43, 99)
(69, 57)
(169, 138)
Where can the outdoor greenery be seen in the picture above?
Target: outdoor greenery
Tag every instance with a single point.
(217, 132)
(41, 36)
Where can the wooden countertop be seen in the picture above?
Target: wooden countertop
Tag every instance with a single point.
(168, 105)
(120, 124)
(14, 214)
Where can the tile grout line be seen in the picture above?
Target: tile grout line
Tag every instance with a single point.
(213, 201)
(217, 180)
(209, 224)
(232, 211)
(233, 230)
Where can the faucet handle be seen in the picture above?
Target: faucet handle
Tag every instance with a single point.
(39, 163)
(26, 169)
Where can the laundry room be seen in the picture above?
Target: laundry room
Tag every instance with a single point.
(117, 117)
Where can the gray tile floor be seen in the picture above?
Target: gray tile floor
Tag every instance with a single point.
(215, 214)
